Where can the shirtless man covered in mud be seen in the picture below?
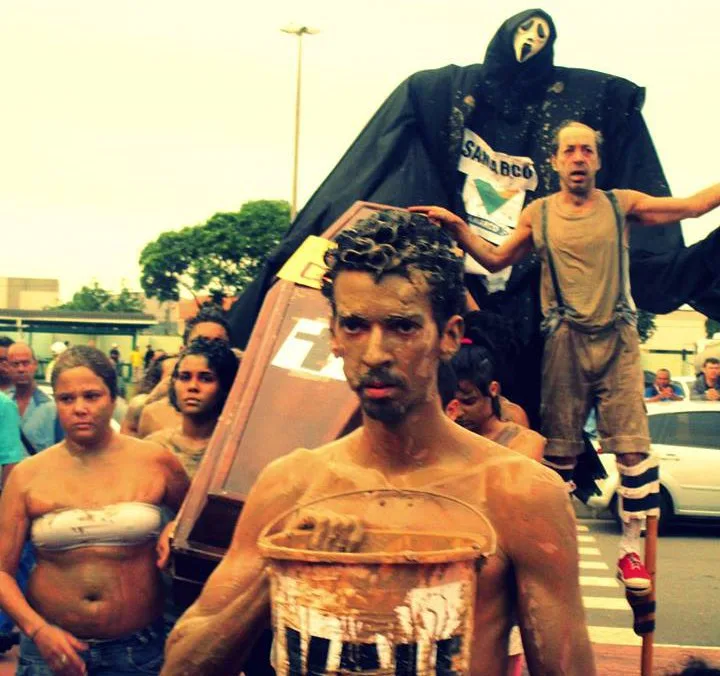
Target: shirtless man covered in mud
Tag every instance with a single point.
(396, 293)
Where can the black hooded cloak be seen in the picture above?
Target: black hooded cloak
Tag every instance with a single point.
(409, 152)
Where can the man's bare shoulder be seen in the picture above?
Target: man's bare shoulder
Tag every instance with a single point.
(521, 491)
(510, 473)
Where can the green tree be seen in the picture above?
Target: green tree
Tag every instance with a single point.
(712, 327)
(96, 299)
(125, 301)
(219, 257)
(646, 325)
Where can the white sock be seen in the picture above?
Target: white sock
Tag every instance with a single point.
(630, 540)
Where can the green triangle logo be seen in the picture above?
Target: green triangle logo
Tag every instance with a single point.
(491, 198)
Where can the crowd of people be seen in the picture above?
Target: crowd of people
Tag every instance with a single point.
(87, 520)
(81, 558)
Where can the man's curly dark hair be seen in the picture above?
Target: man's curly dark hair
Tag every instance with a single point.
(394, 242)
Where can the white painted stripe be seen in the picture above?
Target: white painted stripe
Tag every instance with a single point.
(589, 551)
(585, 538)
(606, 603)
(582, 529)
(689, 647)
(593, 565)
(614, 635)
(590, 581)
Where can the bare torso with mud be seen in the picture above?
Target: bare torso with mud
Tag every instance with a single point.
(96, 591)
(508, 489)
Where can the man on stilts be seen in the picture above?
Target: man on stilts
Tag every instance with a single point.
(591, 355)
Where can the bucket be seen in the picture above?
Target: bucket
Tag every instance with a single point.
(403, 604)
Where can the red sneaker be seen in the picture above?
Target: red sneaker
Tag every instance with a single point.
(632, 573)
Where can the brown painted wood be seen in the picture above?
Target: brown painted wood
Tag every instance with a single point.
(651, 535)
(270, 411)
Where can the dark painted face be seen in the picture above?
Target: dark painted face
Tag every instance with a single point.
(474, 408)
(387, 336)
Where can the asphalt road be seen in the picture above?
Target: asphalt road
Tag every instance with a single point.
(688, 580)
(688, 597)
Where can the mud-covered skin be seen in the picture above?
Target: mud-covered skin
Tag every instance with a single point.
(391, 345)
(536, 559)
(90, 591)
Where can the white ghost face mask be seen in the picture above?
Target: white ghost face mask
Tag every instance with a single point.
(530, 37)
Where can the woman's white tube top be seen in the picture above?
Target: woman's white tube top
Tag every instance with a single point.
(118, 525)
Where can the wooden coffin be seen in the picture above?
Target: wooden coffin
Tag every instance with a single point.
(289, 392)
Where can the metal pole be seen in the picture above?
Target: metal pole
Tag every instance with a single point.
(294, 29)
(298, 82)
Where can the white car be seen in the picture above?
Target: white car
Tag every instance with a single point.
(686, 440)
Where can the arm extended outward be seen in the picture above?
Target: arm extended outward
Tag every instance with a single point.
(649, 210)
(492, 258)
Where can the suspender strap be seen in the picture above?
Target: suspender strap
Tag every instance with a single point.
(551, 265)
(26, 442)
(619, 224)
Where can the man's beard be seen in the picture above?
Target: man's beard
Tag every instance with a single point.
(389, 411)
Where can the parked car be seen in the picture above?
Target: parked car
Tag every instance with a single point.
(686, 440)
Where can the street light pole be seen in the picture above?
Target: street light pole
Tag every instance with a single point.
(299, 31)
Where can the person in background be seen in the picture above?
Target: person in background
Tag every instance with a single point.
(94, 599)
(11, 452)
(148, 356)
(199, 387)
(158, 413)
(40, 426)
(707, 385)
(56, 349)
(591, 353)
(477, 407)
(152, 376)
(663, 389)
(6, 380)
(136, 364)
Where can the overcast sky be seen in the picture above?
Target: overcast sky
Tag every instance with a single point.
(121, 120)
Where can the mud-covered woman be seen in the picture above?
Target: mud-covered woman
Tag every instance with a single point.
(478, 404)
(91, 507)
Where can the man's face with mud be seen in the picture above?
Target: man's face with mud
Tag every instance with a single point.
(388, 338)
